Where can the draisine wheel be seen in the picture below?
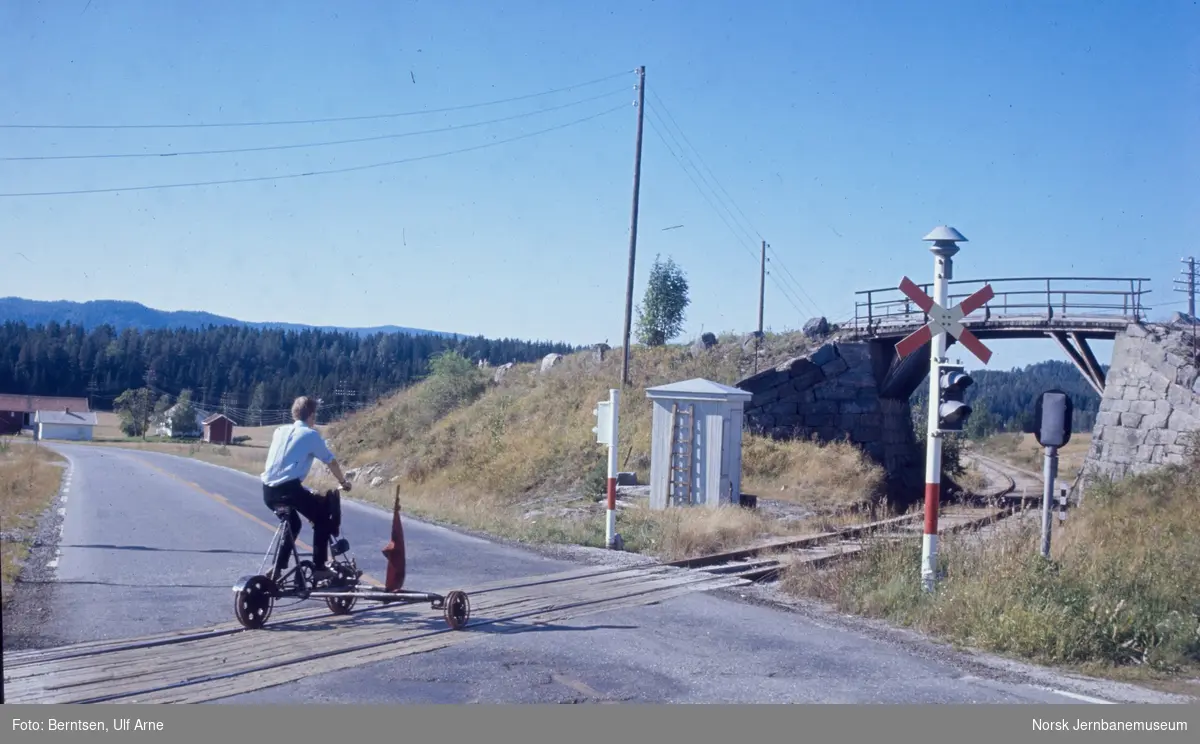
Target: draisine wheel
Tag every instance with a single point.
(253, 601)
(457, 609)
(340, 605)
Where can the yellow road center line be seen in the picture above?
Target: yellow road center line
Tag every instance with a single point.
(237, 509)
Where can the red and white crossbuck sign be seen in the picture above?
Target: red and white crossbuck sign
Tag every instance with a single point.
(943, 320)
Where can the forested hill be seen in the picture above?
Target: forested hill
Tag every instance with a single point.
(122, 314)
(235, 367)
(1002, 400)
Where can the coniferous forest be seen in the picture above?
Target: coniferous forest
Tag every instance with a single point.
(254, 372)
(1004, 400)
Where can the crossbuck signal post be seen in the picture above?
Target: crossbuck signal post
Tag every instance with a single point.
(948, 411)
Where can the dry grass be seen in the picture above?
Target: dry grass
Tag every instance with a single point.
(1119, 593)
(973, 480)
(828, 477)
(519, 458)
(29, 479)
(1023, 451)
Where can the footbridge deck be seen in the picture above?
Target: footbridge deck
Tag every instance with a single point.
(1069, 310)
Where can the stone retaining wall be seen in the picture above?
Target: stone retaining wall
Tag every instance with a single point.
(1151, 403)
(832, 394)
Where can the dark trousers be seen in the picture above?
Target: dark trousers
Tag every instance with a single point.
(293, 493)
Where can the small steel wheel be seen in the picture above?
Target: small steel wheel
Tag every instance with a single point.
(340, 605)
(253, 602)
(457, 609)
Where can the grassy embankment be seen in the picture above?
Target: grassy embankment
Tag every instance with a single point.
(518, 459)
(1119, 597)
(30, 477)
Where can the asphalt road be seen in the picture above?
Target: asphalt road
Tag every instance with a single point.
(151, 542)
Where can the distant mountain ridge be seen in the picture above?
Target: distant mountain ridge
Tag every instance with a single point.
(122, 314)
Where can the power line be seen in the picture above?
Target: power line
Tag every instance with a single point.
(789, 294)
(304, 145)
(796, 282)
(662, 105)
(317, 121)
(331, 171)
(656, 127)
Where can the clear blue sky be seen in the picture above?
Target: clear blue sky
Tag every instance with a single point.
(1059, 137)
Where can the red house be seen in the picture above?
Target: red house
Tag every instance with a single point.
(17, 411)
(218, 429)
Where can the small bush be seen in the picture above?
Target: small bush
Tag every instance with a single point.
(595, 483)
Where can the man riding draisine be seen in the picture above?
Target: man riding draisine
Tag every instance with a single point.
(293, 449)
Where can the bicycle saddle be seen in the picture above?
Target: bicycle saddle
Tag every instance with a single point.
(284, 512)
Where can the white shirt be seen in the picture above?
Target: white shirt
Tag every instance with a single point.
(292, 451)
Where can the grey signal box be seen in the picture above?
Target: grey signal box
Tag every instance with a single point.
(1052, 418)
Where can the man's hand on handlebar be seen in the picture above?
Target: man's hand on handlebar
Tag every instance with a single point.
(345, 485)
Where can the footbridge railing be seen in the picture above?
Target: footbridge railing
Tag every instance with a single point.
(1049, 299)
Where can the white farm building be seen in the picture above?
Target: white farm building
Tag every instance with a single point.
(70, 425)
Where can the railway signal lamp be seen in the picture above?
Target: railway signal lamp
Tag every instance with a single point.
(1052, 418)
(952, 411)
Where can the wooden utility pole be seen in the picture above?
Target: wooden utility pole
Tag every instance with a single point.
(633, 221)
(92, 389)
(762, 289)
(762, 285)
(1188, 284)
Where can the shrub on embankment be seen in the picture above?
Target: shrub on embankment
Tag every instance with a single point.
(518, 457)
(1122, 588)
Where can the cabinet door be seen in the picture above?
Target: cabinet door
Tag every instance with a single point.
(715, 486)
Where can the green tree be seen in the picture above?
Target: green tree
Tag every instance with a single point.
(982, 422)
(136, 408)
(183, 417)
(258, 403)
(453, 381)
(161, 406)
(661, 312)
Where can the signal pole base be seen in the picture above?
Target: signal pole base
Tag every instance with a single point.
(929, 562)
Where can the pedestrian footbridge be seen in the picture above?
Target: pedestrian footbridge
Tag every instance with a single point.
(1072, 311)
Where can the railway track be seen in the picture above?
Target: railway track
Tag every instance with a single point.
(1022, 485)
(1011, 488)
(765, 561)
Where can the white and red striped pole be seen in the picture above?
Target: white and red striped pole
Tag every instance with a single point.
(610, 520)
(943, 251)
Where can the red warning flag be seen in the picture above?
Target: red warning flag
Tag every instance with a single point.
(394, 551)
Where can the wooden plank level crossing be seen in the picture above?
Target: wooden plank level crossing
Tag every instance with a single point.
(212, 663)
